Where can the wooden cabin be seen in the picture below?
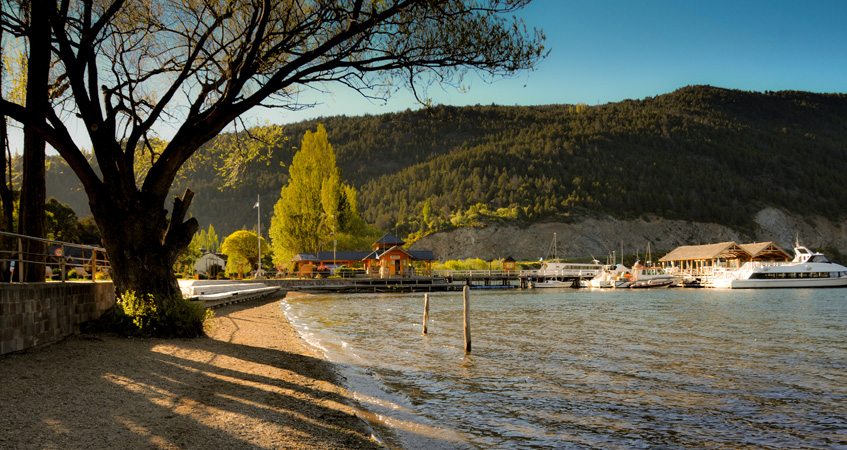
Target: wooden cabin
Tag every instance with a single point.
(388, 259)
(509, 265)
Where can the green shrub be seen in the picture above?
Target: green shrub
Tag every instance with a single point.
(154, 316)
(72, 274)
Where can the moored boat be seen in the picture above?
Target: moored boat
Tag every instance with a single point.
(609, 278)
(651, 277)
(807, 269)
(553, 284)
(555, 269)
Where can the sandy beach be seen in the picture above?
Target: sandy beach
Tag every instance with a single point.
(251, 384)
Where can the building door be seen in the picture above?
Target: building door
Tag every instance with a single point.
(396, 267)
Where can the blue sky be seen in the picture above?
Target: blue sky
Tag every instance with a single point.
(605, 51)
(611, 50)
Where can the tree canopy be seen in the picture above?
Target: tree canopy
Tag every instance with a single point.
(128, 70)
(242, 249)
(62, 224)
(315, 208)
(208, 240)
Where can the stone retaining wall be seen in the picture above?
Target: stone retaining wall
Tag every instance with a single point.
(33, 314)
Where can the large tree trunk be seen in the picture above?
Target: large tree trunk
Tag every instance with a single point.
(6, 202)
(33, 190)
(31, 213)
(142, 243)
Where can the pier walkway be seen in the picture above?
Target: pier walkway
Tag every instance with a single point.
(214, 293)
(218, 292)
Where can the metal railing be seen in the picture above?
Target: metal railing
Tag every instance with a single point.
(87, 259)
(483, 273)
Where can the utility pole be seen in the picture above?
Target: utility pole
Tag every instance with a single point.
(259, 229)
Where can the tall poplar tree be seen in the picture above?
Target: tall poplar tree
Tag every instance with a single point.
(209, 240)
(314, 203)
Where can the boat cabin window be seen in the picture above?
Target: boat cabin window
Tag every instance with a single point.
(819, 258)
(791, 275)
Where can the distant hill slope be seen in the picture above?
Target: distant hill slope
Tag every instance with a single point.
(701, 154)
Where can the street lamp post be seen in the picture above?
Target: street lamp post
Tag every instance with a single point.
(334, 244)
(259, 235)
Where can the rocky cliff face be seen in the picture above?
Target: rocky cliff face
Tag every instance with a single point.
(600, 237)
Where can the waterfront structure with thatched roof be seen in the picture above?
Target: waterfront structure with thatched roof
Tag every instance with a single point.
(766, 251)
(703, 259)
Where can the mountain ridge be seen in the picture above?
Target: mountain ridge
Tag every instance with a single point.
(700, 154)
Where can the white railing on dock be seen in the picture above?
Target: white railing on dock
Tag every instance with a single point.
(483, 273)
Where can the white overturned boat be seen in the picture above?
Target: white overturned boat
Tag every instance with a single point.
(807, 269)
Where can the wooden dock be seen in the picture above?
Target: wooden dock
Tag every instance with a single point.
(505, 278)
(440, 281)
(363, 285)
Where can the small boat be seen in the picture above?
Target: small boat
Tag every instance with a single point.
(807, 269)
(553, 284)
(558, 274)
(610, 278)
(553, 268)
(650, 277)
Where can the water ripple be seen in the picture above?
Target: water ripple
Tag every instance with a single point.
(613, 369)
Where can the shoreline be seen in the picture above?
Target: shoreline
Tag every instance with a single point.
(252, 382)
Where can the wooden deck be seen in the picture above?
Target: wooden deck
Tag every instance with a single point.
(440, 281)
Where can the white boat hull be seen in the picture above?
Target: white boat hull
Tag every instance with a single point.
(795, 283)
(807, 270)
(651, 284)
(554, 284)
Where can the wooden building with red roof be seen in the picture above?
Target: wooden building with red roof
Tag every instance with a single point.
(387, 259)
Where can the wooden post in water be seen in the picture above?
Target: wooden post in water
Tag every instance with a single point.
(426, 312)
(467, 318)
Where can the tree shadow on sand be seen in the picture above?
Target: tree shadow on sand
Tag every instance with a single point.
(108, 392)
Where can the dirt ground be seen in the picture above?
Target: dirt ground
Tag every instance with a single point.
(252, 384)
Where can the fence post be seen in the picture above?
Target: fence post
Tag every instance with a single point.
(467, 317)
(20, 260)
(62, 262)
(426, 312)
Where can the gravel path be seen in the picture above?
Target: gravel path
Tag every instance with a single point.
(250, 385)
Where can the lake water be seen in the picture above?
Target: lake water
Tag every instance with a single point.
(583, 369)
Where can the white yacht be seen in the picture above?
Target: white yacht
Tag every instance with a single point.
(554, 269)
(570, 270)
(807, 269)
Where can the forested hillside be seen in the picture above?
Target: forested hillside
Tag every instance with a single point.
(701, 154)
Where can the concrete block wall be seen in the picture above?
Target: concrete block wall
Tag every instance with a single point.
(33, 314)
